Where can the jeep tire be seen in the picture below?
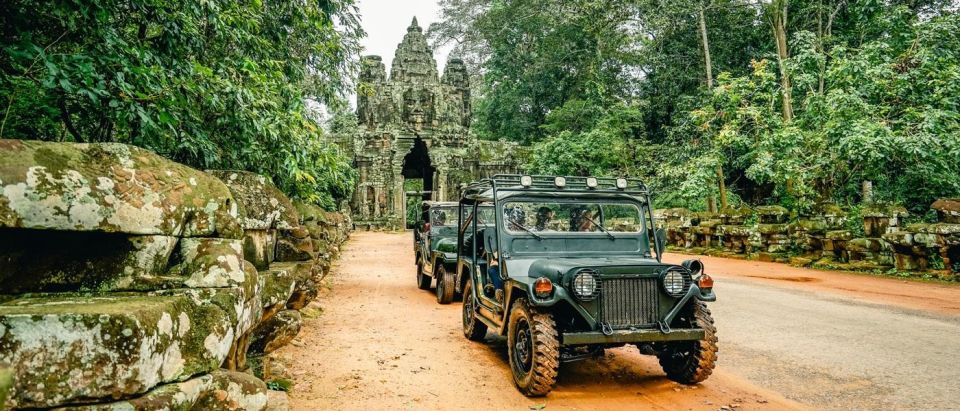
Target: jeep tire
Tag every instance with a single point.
(444, 285)
(691, 362)
(423, 280)
(533, 348)
(473, 328)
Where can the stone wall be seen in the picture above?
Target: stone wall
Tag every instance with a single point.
(128, 281)
(821, 239)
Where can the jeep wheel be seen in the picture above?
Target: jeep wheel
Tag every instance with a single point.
(444, 285)
(423, 280)
(691, 362)
(473, 328)
(533, 349)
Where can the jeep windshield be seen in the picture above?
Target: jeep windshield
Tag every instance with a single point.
(565, 226)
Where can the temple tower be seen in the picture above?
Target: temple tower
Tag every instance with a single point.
(414, 133)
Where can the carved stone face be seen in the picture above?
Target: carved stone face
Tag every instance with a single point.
(418, 107)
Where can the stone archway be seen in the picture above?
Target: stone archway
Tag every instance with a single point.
(418, 165)
(418, 173)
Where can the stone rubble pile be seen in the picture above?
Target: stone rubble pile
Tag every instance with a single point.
(822, 239)
(128, 281)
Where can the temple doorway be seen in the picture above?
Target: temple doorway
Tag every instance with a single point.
(417, 179)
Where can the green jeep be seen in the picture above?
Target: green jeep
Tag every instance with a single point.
(568, 267)
(435, 247)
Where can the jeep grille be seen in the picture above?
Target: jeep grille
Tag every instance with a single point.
(627, 302)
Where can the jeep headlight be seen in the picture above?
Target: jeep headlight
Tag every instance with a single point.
(585, 285)
(676, 281)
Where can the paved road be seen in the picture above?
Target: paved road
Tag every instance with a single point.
(790, 338)
(791, 333)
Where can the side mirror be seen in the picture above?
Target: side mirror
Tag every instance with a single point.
(661, 237)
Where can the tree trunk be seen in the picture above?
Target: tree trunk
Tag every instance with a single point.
(723, 187)
(866, 191)
(778, 19)
(706, 49)
(708, 69)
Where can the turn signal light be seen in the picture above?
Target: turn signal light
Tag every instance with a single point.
(705, 282)
(543, 287)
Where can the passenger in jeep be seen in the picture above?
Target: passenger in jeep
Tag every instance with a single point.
(544, 217)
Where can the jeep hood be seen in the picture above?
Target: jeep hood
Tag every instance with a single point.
(556, 267)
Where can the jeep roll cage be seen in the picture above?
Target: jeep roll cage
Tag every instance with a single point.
(502, 186)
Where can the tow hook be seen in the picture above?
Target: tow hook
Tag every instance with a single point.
(605, 328)
(664, 328)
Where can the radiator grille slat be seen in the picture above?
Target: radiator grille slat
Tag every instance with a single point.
(627, 302)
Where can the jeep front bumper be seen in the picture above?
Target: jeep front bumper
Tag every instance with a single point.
(632, 336)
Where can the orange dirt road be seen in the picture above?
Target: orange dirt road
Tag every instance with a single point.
(382, 344)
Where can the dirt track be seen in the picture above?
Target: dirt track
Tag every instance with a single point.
(383, 344)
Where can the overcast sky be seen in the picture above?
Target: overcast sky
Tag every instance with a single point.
(386, 21)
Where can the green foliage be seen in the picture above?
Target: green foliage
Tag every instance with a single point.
(888, 114)
(873, 84)
(542, 53)
(216, 84)
(854, 221)
(280, 384)
(586, 140)
(413, 202)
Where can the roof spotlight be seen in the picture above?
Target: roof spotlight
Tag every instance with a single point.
(621, 183)
(526, 181)
(561, 182)
(592, 182)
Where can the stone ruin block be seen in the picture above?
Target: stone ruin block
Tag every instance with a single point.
(774, 238)
(908, 255)
(835, 244)
(739, 239)
(868, 249)
(832, 215)
(807, 233)
(53, 261)
(120, 271)
(772, 214)
(111, 188)
(124, 273)
(919, 242)
(218, 391)
(881, 219)
(914, 246)
(948, 210)
(276, 332)
(67, 349)
(261, 205)
(703, 231)
(270, 220)
(734, 216)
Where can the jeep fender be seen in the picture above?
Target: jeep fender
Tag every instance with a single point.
(520, 288)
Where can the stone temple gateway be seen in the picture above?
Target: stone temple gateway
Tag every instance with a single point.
(414, 125)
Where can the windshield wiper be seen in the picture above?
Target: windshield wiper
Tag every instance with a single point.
(601, 227)
(524, 228)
